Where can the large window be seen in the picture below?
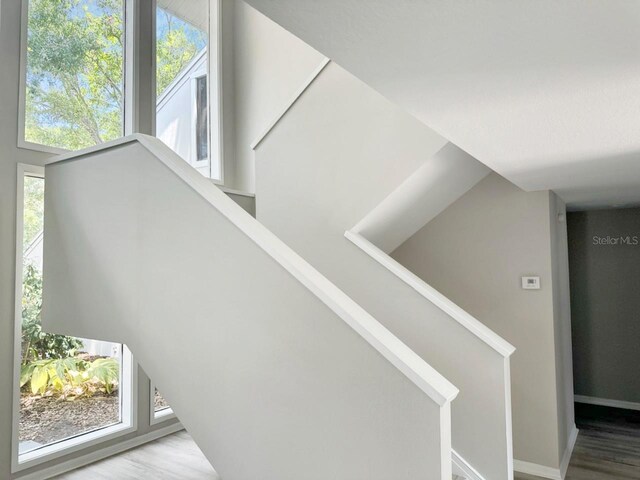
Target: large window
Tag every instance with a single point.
(182, 71)
(74, 57)
(74, 68)
(70, 390)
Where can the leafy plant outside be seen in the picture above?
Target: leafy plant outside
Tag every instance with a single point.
(51, 364)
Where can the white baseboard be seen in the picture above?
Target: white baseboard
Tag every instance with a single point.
(549, 472)
(462, 468)
(101, 454)
(566, 458)
(606, 402)
(536, 470)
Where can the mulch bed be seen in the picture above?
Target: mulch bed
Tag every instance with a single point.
(159, 402)
(49, 419)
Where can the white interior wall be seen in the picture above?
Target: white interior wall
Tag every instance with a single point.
(475, 253)
(336, 154)
(300, 381)
(268, 66)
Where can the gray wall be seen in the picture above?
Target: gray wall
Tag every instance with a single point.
(475, 253)
(605, 303)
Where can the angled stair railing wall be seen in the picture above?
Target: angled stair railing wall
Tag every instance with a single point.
(275, 372)
(314, 182)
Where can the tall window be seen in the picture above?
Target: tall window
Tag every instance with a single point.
(202, 119)
(182, 64)
(69, 388)
(74, 93)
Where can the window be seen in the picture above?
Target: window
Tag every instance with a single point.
(182, 79)
(69, 390)
(73, 71)
(160, 408)
(202, 120)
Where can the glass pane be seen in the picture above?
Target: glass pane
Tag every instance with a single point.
(202, 124)
(69, 385)
(159, 403)
(75, 65)
(181, 77)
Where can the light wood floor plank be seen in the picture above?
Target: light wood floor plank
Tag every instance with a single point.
(608, 448)
(173, 457)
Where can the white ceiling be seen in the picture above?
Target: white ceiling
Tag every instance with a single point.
(545, 92)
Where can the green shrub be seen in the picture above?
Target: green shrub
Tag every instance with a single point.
(49, 361)
(70, 377)
(36, 344)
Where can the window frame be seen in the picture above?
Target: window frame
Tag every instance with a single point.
(22, 142)
(160, 416)
(129, 380)
(215, 95)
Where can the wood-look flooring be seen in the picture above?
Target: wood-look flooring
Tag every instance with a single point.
(169, 458)
(608, 446)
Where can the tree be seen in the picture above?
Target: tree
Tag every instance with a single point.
(33, 215)
(75, 72)
(36, 344)
(75, 65)
(177, 44)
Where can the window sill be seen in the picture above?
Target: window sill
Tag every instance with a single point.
(36, 147)
(71, 445)
(162, 416)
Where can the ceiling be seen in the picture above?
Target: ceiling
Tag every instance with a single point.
(545, 92)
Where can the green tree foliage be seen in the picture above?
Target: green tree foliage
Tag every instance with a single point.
(71, 376)
(75, 65)
(177, 44)
(36, 344)
(50, 364)
(33, 209)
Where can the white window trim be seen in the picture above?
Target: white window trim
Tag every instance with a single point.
(215, 97)
(129, 380)
(161, 415)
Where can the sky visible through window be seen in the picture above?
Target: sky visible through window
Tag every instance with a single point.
(75, 64)
(178, 42)
(74, 95)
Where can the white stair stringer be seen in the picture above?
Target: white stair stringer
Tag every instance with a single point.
(275, 372)
(339, 154)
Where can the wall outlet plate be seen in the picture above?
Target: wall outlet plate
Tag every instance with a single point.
(531, 283)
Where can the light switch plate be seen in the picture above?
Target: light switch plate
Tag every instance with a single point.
(531, 283)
